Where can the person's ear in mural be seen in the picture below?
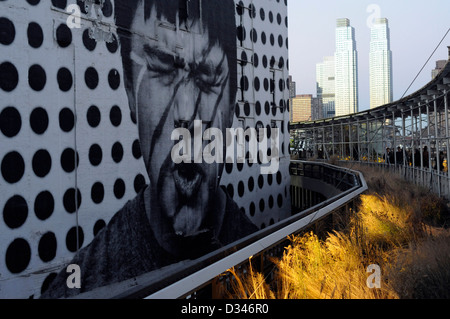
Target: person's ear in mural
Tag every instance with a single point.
(179, 61)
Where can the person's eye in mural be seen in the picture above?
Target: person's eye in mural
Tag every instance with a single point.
(211, 77)
(160, 64)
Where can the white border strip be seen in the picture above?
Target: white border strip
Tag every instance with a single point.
(191, 282)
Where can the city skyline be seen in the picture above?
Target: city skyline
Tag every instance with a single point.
(319, 19)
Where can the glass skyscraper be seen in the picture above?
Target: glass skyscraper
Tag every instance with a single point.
(381, 90)
(346, 65)
(325, 77)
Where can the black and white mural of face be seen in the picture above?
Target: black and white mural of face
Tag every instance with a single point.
(94, 96)
(178, 79)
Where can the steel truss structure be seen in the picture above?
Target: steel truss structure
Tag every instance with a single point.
(410, 136)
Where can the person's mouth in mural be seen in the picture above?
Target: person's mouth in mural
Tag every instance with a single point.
(184, 197)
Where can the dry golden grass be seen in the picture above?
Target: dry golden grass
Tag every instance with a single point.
(397, 227)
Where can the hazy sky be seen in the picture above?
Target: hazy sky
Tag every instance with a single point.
(417, 26)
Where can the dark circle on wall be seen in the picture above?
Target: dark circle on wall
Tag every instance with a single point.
(71, 239)
(270, 179)
(136, 149)
(252, 11)
(265, 61)
(66, 120)
(257, 84)
(35, 35)
(63, 36)
(99, 225)
(255, 59)
(114, 79)
(240, 8)
(115, 116)
(229, 167)
(263, 37)
(244, 58)
(254, 35)
(71, 204)
(61, 4)
(37, 77)
(267, 108)
(280, 41)
(47, 281)
(251, 184)
(18, 256)
(260, 181)
(112, 46)
(119, 188)
(44, 205)
(68, 158)
(15, 212)
(117, 152)
(42, 163)
(258, 108)
(97, 193)
(65, 79)
(33, 2)
(280, 200)
(279, 178)
(13, 167)
(241, 33)
(262, 205)
(10, 122)
(252, 209)
(262, 14)
(95, 155)
(93, 116)
(39, 120)
(47, 247)
(9, 77)
(89, 43)
(81, 4)
(241, 189)
(271, 201)
(107, 9)
(247, 109)
(139, 183)
(7, 31)
(91, 78)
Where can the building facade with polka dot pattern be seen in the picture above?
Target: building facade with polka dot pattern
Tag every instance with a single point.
(86, 104)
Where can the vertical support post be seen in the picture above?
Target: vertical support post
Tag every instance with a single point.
(447, 140)
(437, 142)
(394, 146)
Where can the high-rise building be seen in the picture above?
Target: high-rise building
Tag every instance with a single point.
(439, 67)
(301, 108)
(381, 91)
(292, 94)
(326, 86)
(316, 109)
(346, 65)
